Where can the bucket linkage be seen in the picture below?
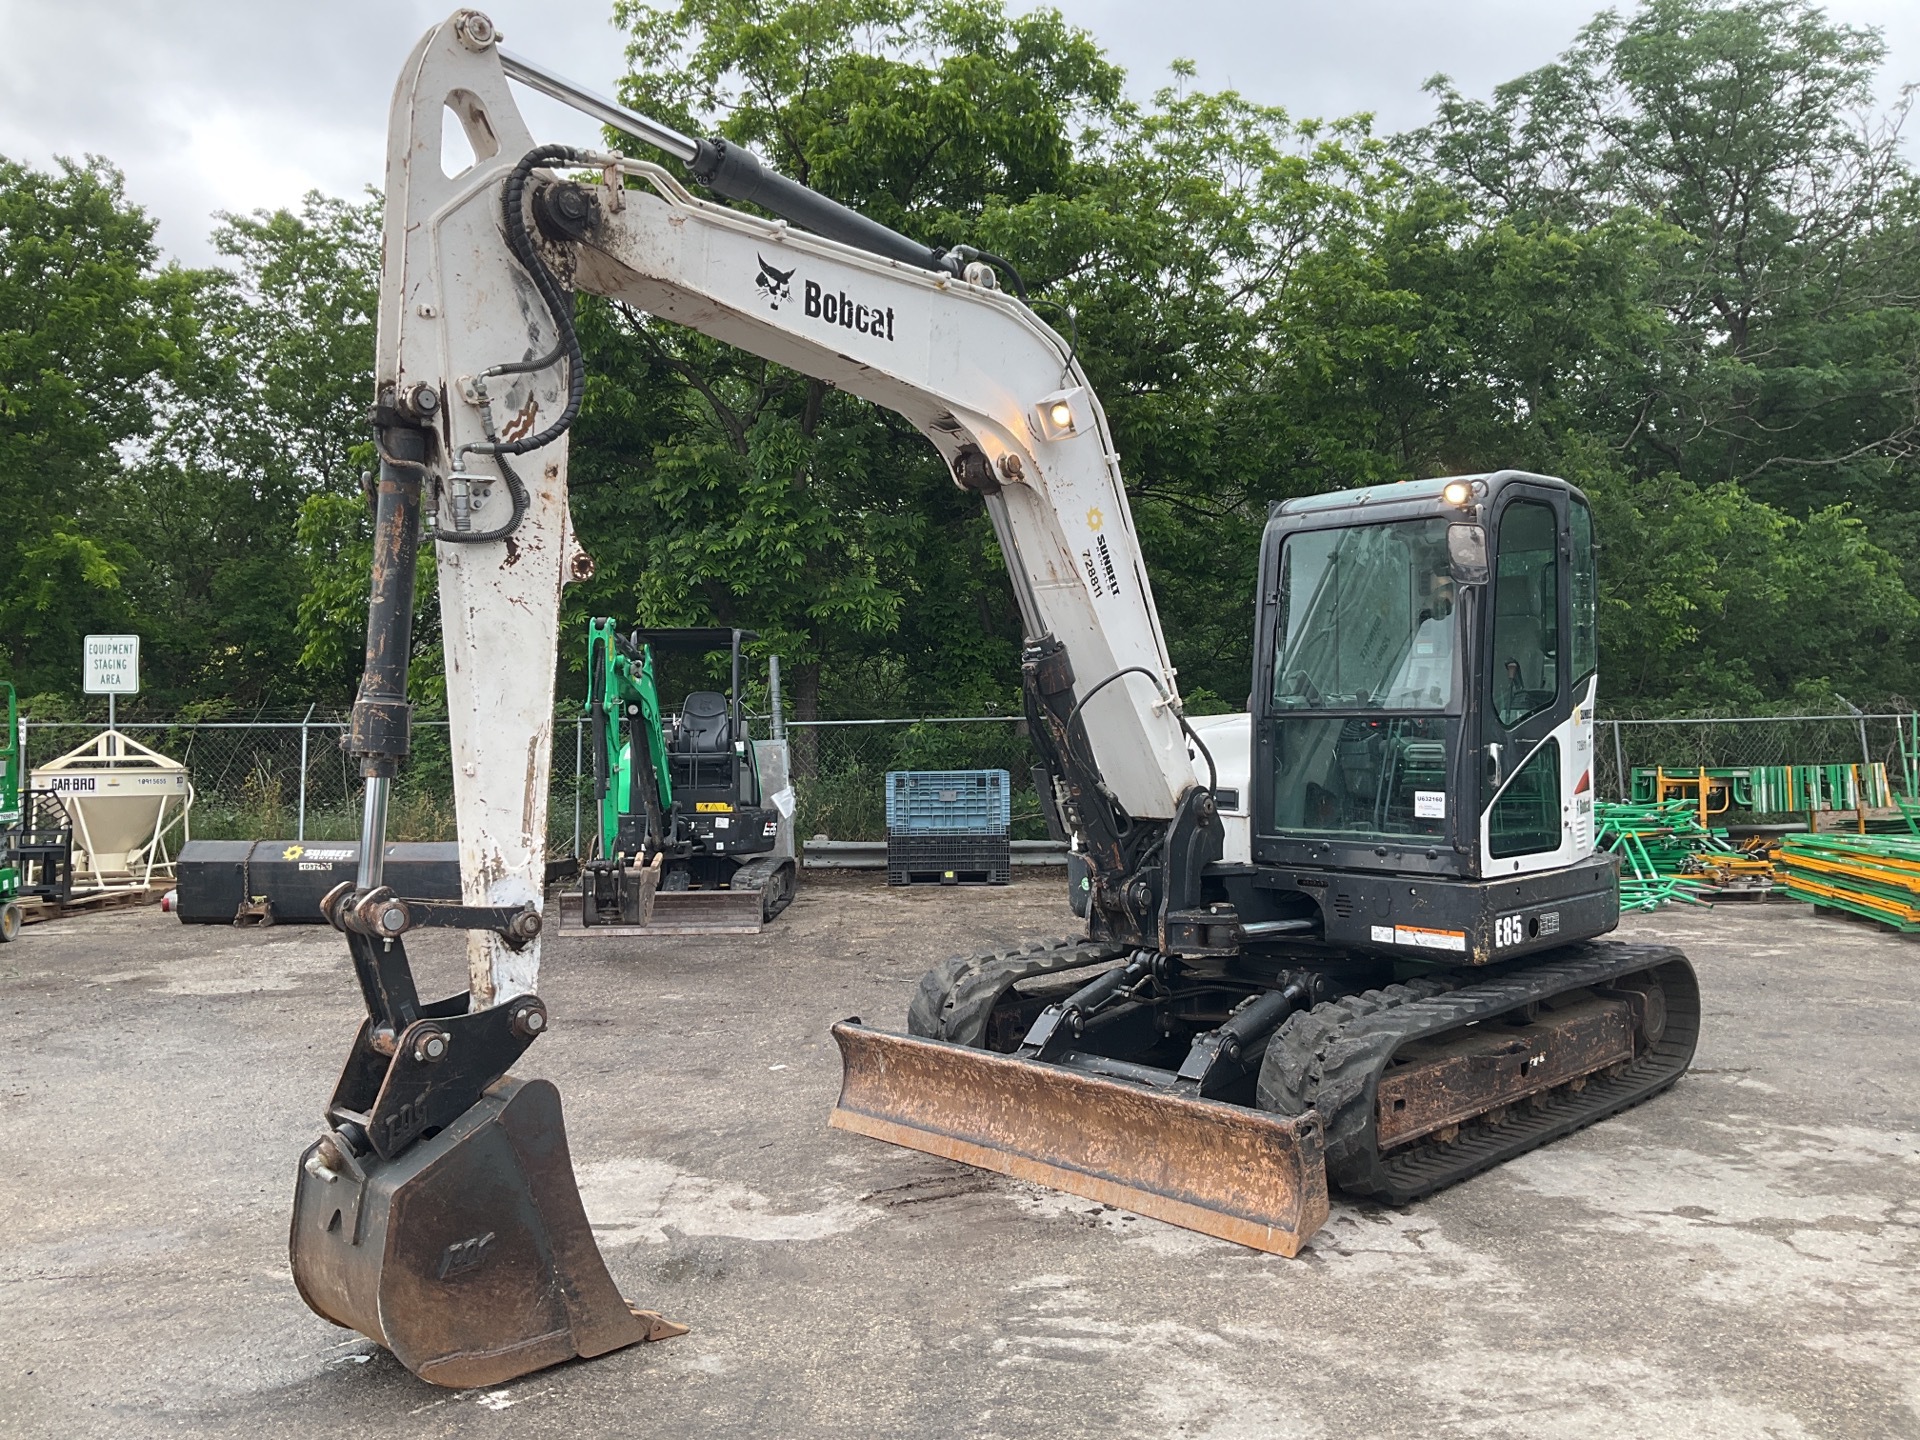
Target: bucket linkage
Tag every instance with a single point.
(438, 1214)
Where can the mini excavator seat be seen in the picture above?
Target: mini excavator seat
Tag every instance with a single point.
(701, 746)
(704, 727)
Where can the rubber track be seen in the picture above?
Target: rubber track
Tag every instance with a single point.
(955, 999)
(759, 874)
(1331, 1059)
(769, 913)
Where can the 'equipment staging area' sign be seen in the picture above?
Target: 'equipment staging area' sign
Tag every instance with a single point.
(113, 665)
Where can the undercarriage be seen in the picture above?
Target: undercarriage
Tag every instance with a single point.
(1253, 1083)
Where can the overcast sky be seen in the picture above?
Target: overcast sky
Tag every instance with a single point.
(211, 105)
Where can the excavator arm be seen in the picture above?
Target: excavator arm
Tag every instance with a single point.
(631, 781)
(438, 1211)
(477, 354)
(630, 769)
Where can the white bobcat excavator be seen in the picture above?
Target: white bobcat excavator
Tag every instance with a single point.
(1345, 937)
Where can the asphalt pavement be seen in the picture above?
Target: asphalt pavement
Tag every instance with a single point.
(1736, 1258)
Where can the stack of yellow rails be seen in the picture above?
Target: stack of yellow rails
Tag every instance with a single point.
(1877, 876)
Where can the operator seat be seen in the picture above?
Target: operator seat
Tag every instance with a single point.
(1518, 634)
(705, 727)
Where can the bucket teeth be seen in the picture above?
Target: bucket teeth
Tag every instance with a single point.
(658, 1326)
(1224, 1170)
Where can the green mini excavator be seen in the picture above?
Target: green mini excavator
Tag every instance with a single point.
(695, 831)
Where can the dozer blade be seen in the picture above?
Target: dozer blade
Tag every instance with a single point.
(1224, 1170)
(469, 1255)
(682, 912)
(706, 912)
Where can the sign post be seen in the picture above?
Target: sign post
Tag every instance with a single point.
(112, 668)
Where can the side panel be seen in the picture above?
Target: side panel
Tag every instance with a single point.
(1446, 922)
(1573, 738)
(772, 757)
(1229, 738)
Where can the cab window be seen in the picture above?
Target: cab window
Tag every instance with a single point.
(1526, 613)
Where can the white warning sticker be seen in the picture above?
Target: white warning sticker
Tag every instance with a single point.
(1383, 934)
(1427, 939)
(1429, 804)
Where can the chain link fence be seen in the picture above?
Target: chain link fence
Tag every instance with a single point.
(274, 779)
(1688, 744)
(292, 778)
(840, 768)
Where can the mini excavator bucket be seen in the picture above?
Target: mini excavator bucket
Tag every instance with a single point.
(468, 1255)
(617, 898)
(1224, 1170)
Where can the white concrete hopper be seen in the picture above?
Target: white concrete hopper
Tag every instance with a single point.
(125, 801)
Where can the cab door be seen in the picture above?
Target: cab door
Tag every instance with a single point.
(1536, 731)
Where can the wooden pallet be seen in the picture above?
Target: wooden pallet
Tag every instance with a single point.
(33, 909)
(1747, 890)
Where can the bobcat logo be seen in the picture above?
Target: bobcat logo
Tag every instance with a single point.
(464, 1255)
(776, 285)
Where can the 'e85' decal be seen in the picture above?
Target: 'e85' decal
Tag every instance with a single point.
(1508, 931)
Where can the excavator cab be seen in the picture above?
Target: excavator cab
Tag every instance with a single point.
(1279, 994)
(1423, 707)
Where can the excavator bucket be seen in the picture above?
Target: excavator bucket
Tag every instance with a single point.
(1224, 1170)
(468, 1255)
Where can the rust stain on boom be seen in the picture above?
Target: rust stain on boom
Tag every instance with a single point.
(1241, 1175)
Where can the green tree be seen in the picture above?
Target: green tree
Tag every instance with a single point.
(715, 487)
(89, 327)
(1766, 337)
(1783, 239)
(248, 484)
(1173, 242)
(1725, 603)
(1676, 266)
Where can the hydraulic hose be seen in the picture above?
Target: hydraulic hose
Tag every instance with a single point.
(513, 214)
(567, 345)
(1213, 773)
